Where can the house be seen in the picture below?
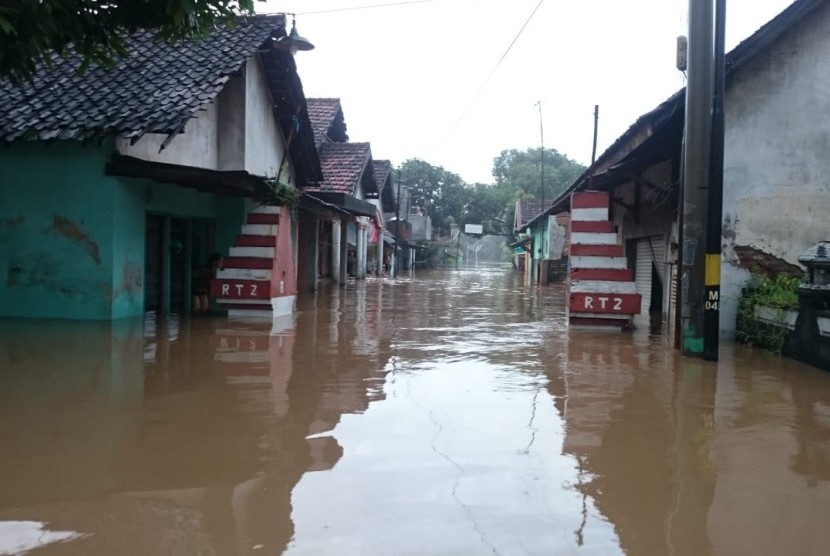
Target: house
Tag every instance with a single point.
(117, 185)
(776, 197)
(348, 183)
(543, 242)
(344, 212)
(382, 239)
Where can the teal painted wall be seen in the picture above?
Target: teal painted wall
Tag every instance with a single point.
(72, 238)
(541, 239)
(56, 221)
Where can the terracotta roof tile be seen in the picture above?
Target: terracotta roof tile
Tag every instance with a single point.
(157, 88)
(383, 171)
(529, 209)
(344, 166)
(327, 120)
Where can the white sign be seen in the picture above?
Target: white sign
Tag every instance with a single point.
(473, 229)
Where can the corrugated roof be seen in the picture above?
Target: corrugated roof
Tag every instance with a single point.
(156, 88)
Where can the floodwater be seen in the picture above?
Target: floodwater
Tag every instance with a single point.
(446, 413)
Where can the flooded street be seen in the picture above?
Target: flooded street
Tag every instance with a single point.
(447, 413)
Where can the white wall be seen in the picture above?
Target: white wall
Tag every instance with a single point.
(238, 131)
(777, 158)
(197, 146)
(264, 144)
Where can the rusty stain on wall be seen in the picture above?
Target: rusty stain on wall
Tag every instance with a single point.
(37, 272)
(132, 280)
(16, 221)
(72, 231)
(758, 261)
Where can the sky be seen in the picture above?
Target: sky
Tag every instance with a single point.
(438, 79)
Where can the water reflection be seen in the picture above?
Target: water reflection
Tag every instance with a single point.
(445, 413)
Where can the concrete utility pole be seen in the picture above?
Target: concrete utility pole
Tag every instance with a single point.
(541, 155)
(711, 339)
(696, 176)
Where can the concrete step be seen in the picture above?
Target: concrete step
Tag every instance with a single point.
(255, 241)
(259, 229)
(615, 263)
(266, 209)
(262, 218)
(244, 274)
(248, 262)
(607, 286)
(583, 250)
(259, 252)
(582, 238)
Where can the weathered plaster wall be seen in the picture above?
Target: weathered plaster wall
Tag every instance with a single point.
(264, 144)
(198, 146)
(777, 168)
(232, 125)
(56, 221)
(72, 240)
(236, 132)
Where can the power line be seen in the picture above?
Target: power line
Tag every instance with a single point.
(492, 73)
(365, 7)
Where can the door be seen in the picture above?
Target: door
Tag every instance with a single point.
(153, 267)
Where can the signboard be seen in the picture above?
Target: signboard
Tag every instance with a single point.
(473, 229)
(240, 289)
(614, 303)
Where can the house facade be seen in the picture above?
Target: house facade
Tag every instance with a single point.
(119, 185)
(775, 198)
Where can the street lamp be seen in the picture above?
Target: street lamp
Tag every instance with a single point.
(293, 42)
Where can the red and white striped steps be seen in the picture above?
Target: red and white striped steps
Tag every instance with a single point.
(243, 285)
(602, 289)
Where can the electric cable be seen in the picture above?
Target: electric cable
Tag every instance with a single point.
(491, 74)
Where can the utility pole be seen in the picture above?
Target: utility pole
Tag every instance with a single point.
(393, 269)
(696, 176)
(541, 154)
(594, 148)
(596, 126)
(711, 338)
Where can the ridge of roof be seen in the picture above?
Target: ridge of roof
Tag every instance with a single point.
(327, 120)
(344, 166)
(156, 88)
(734, 59)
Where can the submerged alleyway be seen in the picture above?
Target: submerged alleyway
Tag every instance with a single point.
(447, 413)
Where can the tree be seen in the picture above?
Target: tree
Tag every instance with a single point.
(488, 205)
(436, 192)
(32, 30)
(520, 171)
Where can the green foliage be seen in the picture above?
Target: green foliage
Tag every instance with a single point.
(447, 200)
(278, 194)
(521, 172)
(438, 193)
(31, 30)
(781, 293)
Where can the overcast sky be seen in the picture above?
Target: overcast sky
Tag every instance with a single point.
(413, 78)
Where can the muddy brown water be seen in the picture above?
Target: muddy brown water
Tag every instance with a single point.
(447, 413)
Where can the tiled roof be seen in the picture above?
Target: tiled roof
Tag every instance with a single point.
(157, 88)
(383, 177)
(528, 209)
(322, 112)
(344, 166)
(383, 169)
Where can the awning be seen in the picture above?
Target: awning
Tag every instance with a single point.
(235, 183)
(346, 202)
